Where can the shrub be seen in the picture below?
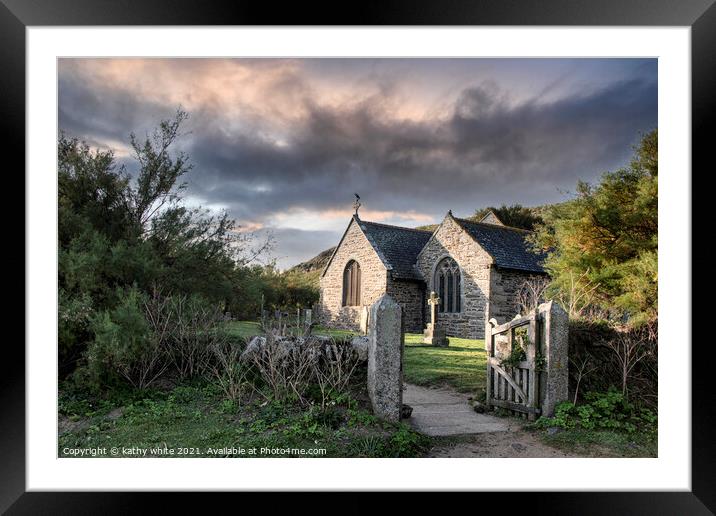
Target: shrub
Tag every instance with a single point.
(73, 327)
(297, 367)
(602, 411)
(284, 368)
(124, 345)
(333, 371)
(405, 442)
(227, 370)
(603, 355)
(192, 326)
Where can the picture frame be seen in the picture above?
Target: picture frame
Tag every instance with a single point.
(16, 16)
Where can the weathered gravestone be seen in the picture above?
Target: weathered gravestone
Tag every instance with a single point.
(308, 314)
(434, 334)
(385, 359)
(364, 319)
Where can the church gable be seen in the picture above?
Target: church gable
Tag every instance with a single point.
(451, 241)
(354, 242)
(357, 261)
(491, 218)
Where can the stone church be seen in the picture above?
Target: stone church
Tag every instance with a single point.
(476, 269)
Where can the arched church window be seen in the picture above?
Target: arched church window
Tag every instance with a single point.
(448, 283)
(351, 284)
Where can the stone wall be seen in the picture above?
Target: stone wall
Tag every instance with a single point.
(374, 277)
(410, 295)
(474, 262)
(505, 286)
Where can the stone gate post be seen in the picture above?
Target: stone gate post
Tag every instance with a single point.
(385, 358)
(555, 337)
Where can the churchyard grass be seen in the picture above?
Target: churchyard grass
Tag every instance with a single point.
(462, 365)
(195, 420)
(603, 443)
(194, 417)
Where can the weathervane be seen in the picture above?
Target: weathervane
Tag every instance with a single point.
(356, 203)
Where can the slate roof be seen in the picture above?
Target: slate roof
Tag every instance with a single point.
(398, 247)
(507, 246)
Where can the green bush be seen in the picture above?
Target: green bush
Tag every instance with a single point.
(123, 345)
(601, 411)
(405, 442)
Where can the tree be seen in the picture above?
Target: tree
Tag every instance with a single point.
(516, 216)
(117, 233)
(606, 239)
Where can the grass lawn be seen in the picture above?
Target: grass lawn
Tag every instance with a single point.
(462, 365)
(195, 420)
(603, 443)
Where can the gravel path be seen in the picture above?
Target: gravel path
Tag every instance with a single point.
(445, 412)
(442, 412)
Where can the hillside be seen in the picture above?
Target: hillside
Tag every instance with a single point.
(309, 272)
(317, 263)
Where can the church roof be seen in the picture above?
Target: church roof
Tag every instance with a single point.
(398, 247)
(508, 246)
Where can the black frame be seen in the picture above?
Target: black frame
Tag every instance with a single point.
(700, 15)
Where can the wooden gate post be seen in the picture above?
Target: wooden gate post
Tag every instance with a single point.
(490, 350)
(533, 344)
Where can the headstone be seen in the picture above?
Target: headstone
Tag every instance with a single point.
(308, 314)
(385, 359)
(555, 333)
(364, 319)
(434, 334)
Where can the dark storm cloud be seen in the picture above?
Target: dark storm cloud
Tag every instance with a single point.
(263, 158)
(101, 114)
(485, 147)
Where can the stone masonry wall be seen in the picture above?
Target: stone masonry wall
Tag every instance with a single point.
(504, 289)
(474, 263)
(374, 276)
(411, 297)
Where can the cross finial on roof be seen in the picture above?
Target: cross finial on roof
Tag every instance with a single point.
(356, 204)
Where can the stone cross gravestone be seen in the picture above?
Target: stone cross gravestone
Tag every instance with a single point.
(434, 334)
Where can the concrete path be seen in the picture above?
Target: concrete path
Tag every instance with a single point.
(443, 411)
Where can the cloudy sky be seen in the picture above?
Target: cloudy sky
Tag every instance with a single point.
(283, 144)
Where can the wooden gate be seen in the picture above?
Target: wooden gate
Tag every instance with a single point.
(512, 379)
